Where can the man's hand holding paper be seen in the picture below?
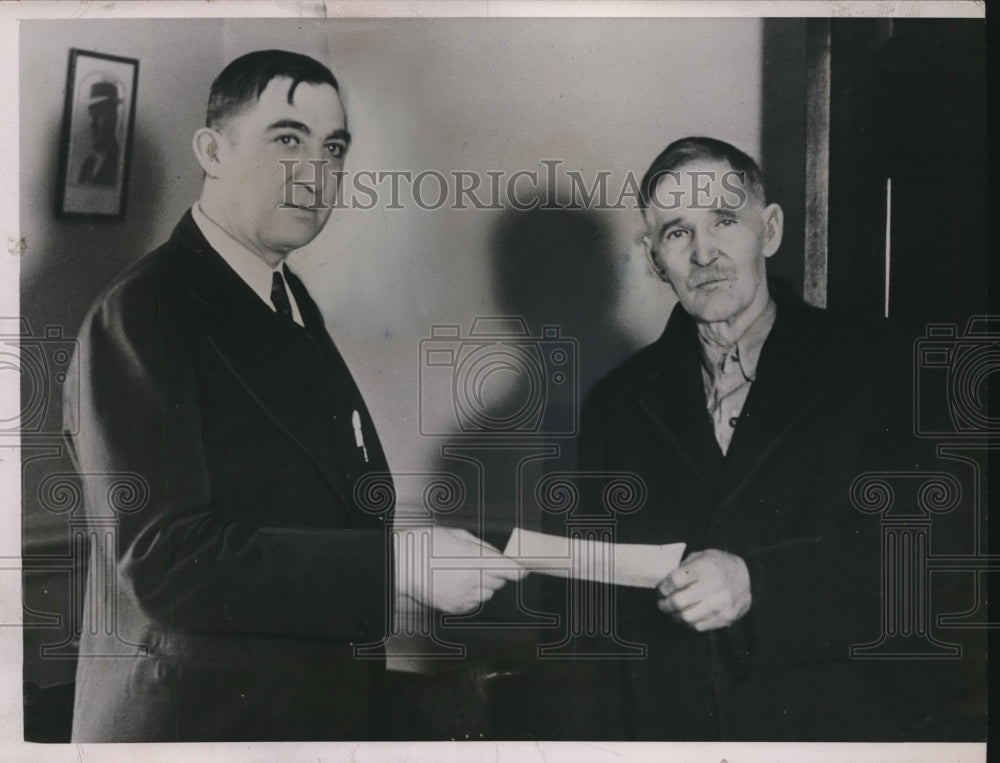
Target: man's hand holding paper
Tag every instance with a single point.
(455, 572)
(710, 590)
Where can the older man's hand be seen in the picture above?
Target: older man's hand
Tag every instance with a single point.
(710, 590)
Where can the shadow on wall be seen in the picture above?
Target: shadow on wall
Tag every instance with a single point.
(78, 258)
(557, 280)
(560, 267)
(558, 271)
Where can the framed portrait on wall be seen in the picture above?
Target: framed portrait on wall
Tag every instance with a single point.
(96, 146)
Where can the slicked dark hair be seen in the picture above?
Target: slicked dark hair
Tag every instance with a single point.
(693, 149)
(244, 79)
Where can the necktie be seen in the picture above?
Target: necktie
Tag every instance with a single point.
(279, 297)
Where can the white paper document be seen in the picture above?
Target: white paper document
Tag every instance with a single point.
(629, 564)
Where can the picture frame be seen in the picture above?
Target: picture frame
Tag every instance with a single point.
(97, 135)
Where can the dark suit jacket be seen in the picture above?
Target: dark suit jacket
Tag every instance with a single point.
(239, 587)
(830, 402)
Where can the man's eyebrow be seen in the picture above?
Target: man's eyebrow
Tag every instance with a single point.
(286, 124)
(661, 231)
(727, 212)
(340, 134)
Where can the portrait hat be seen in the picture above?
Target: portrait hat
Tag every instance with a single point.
(103, 92)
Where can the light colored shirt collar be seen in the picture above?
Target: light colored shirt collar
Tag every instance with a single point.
(745, 351)
(256, 273)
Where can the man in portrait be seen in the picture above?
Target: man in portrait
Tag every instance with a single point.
(100, 166)
(250, 572)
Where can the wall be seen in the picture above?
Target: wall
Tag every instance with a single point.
(449, 95)
(503, 95)
(74, 258)
(68, 261)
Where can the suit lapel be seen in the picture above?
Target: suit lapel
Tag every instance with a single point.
(673, 397)
(789, 385)
(254, 343)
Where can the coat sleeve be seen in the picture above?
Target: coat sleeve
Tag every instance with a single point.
(188, 566)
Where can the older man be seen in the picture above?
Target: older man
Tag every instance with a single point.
(239, 590)
(748, 420)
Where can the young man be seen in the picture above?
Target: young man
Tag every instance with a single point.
(246, 576)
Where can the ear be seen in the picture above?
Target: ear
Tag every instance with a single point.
(206, 144)
(653, 258)
(774, 228)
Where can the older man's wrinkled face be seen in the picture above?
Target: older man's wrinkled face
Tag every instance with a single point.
(708, 236)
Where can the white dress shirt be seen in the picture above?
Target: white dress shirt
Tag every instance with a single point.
(256, 273)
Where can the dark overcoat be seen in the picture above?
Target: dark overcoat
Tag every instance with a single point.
(830, 402)
(244, 571)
